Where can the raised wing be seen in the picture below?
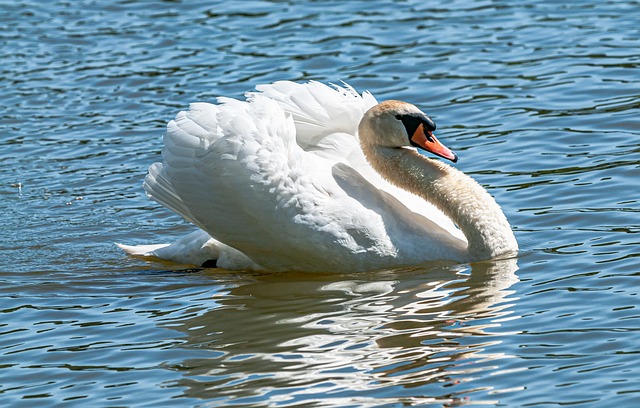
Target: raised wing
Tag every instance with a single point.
(326, 118)
(236, 170)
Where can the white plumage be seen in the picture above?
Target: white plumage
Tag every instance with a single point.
(280, 182)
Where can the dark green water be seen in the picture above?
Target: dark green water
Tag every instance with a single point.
(540, 100)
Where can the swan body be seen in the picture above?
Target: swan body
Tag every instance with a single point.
(317, 178)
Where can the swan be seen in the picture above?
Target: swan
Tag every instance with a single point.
(315, 177)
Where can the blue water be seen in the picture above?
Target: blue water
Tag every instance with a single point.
(539, 99)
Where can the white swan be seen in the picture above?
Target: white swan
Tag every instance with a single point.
(317, 178)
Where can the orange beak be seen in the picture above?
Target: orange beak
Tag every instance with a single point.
(427, 141)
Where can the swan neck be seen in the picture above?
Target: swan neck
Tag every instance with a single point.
(457, 195)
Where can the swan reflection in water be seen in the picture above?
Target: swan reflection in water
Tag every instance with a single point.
(417, 335)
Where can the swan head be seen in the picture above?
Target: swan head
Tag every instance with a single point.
(397, 124)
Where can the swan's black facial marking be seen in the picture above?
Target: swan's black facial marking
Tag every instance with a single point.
(413, 120)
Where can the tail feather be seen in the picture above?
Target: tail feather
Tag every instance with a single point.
(140, 250)
(196, 248)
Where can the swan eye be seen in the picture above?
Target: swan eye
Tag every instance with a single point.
(412, 121)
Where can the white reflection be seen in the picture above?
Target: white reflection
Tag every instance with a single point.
(302, 336)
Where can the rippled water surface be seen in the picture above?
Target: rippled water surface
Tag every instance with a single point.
(540, 100)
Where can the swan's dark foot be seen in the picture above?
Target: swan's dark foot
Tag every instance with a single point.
(210, 263)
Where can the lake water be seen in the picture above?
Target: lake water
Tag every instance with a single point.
(539, 99)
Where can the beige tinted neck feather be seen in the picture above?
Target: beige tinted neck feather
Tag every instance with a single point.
(457, 195)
